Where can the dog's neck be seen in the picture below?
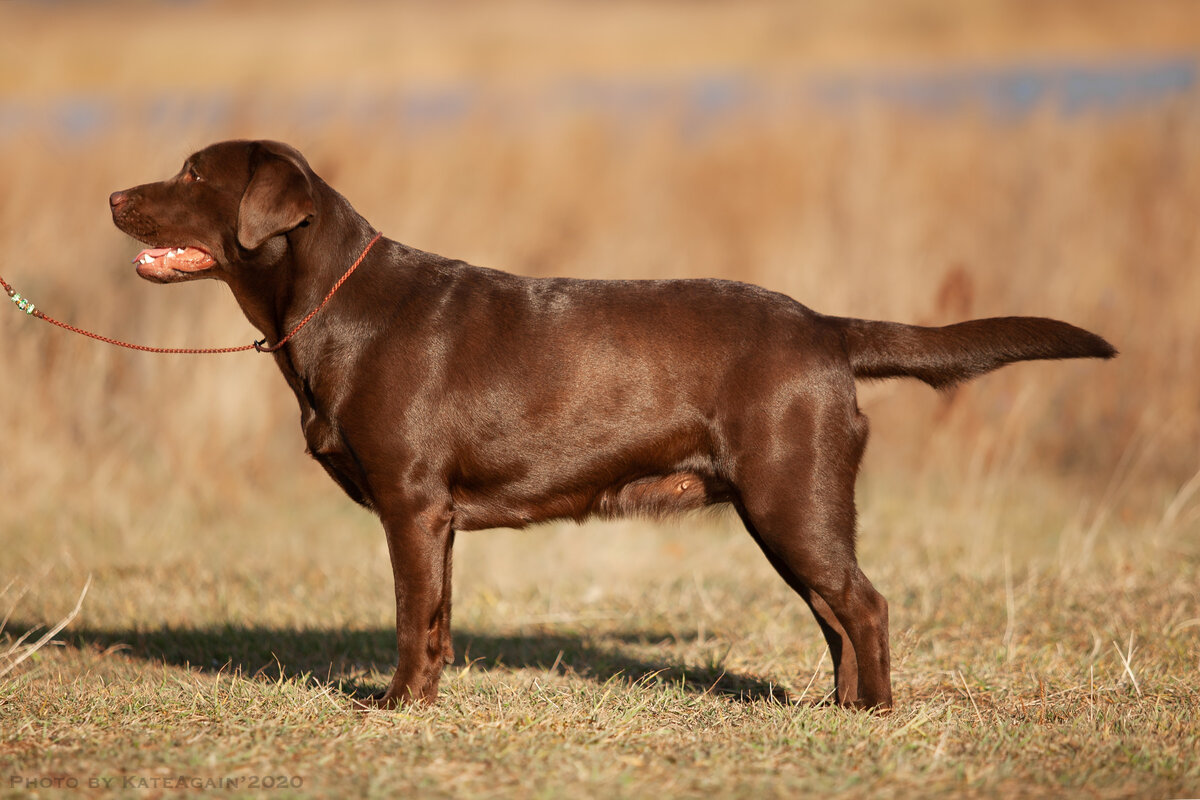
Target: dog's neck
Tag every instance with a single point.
(284, 284)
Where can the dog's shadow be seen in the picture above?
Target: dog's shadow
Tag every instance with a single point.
(350, 661)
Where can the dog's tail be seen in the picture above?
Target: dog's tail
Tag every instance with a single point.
(943, 357)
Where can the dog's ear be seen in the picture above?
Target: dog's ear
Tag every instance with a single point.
(278, 198)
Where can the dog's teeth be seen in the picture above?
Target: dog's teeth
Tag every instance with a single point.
(178, 250)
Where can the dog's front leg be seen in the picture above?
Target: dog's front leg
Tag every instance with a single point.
(420, 541)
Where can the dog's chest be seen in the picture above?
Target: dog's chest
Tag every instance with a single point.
(328, 446)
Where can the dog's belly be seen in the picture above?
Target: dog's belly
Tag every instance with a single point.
(651, 495)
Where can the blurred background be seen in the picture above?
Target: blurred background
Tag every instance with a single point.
(924, 161)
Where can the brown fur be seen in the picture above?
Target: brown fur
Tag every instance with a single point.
(448, 397)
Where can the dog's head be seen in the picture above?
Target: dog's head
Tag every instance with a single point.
(219, 212)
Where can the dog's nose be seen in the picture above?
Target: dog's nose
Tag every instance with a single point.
(117, 199)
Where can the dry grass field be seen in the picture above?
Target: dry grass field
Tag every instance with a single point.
(1037, 532)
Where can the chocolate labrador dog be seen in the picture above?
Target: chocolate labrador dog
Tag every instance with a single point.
(448, 397)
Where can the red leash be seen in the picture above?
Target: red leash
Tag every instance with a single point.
(261, 345)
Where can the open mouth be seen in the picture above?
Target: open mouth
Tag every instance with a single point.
(172, 263)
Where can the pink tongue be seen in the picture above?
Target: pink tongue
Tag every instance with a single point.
(153, 252)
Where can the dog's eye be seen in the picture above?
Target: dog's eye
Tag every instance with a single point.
(191, 176)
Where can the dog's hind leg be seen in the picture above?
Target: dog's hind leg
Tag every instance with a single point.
(841, 650)
(797, 500)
